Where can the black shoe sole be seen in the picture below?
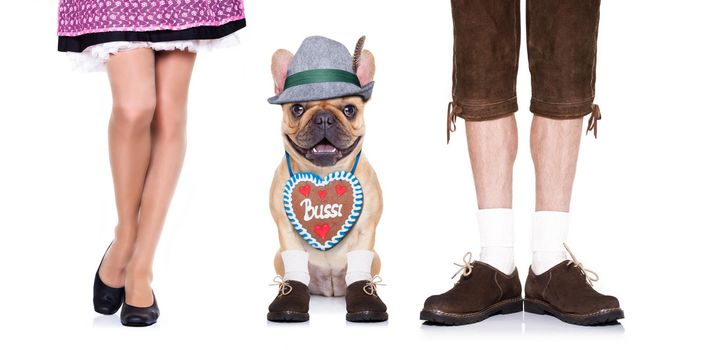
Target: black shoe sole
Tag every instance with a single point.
(437, 317)
(105, 310)
(600, 318)
(132, 324)
(288, 316)
(137, 316)
(367, 316)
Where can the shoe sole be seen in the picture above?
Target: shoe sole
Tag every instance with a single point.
(437, 317)
(599, 318)
(288, 316)
(105, 311)
(132, 324)
(367, 316)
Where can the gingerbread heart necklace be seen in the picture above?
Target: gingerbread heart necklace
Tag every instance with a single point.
(323, 209)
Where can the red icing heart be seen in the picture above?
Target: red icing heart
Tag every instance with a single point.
(340, 189)
(322, 230)
(322, 194)
(305, 190)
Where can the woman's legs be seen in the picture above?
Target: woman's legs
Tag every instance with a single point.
(132, 79)
(173, 72)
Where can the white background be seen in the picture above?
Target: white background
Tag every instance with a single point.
(635, 207)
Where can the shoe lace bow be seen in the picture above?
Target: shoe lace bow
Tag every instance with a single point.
(284, 287)
(371, 286)
(590, 276)
(466, 268)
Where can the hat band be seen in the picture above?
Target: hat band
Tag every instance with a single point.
(321, 76)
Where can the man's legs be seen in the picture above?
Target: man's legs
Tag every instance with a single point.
(486, 53)
(554, 149)
(492, 146)
(562, 45)
(557, 286)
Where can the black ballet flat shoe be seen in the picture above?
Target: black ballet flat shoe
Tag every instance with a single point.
(106, 300)
(134, 316)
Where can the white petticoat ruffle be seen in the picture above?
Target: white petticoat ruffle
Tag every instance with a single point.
(94, 58)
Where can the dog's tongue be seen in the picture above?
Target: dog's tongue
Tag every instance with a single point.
(324, 148)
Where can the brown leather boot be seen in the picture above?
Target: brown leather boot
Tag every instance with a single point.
(292, 303)
(481, 292)
(363, 303)
(565, 292)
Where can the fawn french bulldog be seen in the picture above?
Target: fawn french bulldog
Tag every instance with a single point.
(325, 197)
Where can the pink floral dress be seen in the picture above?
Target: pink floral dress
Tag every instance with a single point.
(92, 30)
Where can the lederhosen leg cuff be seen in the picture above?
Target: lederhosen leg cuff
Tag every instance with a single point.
(562, 47)
(485, 58)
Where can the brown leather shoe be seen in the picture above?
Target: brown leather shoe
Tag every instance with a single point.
(481, 292)
(292, 303)
(363, 303)
(565, 291)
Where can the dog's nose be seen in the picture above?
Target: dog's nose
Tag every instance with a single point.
(324, 119)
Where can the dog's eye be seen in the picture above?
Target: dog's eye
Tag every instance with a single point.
(297, 110)
(350, 111)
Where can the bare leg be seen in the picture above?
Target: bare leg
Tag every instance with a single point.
(554, 149)
(492, 146)
(132, 79)
(173, 72)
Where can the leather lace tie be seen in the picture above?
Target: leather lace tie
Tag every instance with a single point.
(453, 111)
(594, 117)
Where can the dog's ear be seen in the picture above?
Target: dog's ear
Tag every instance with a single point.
(365, 69)
(279, 68)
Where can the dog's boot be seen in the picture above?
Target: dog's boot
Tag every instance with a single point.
(565, 292)
(482, 291)
(292, 303)
(363, 303)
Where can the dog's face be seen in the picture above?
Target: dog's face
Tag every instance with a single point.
(324, 131)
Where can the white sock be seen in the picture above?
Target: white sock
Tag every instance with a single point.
(549, 231)
(496, 227)
(296, 266)
(358, 266)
